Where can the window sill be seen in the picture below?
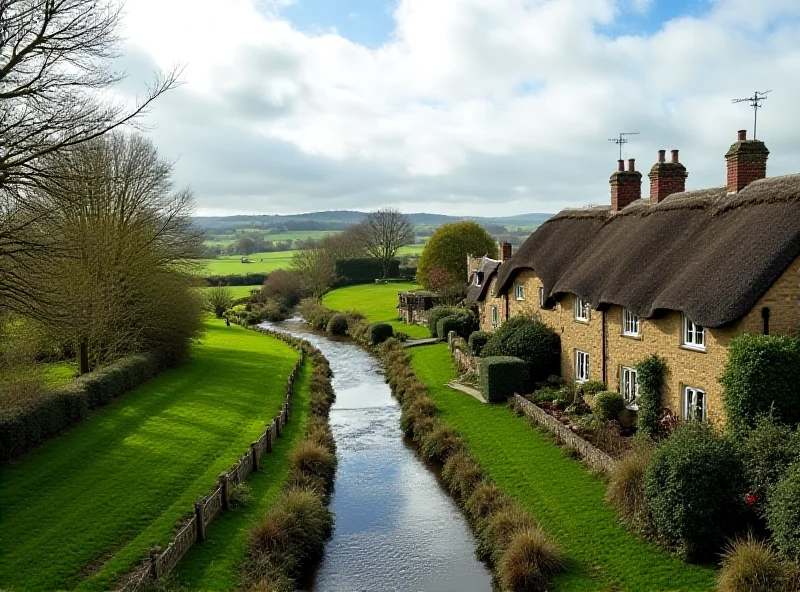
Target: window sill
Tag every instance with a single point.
(691, 348)
(632, 406)
(581, 380)
(631, 336)
(520, 299)
(582, 321)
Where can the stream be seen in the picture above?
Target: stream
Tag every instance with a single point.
(396, 527)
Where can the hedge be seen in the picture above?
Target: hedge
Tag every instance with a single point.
(248, 279)
(23, 428)
(501, 377)
(530, 340)
(379, 332)
(650, 373)
(436, 313)
(761, 376)
(363, 271)
(477, 340)
(783, 514)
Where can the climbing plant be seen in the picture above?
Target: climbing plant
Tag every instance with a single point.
(650, 372)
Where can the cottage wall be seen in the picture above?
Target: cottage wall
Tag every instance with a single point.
(685, 367)
(487, 304)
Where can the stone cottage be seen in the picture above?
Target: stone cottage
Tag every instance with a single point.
(678, 275)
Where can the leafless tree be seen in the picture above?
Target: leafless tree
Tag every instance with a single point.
(383, 233)
(316, 268)
(344, 245)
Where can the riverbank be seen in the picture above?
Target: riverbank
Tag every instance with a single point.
(557, 491)
(83, 508)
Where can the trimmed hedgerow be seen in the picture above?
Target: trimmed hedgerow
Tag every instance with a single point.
(528, 339)
(694, 487)
(761, 376)
(477, 340)
(379, 332)
(608, 405)
(447, 324)
(783, 514)
(337, 325)
(501, 377)
(650, 373)
(439, 312)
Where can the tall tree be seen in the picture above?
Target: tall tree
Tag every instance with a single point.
(383, 233)
(446, 252)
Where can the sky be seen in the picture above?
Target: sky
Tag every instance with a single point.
(463, 107)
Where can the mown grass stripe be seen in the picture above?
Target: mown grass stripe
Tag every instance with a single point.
(558, 491)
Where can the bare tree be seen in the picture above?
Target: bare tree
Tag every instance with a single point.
(316, 268)
(344, 245)
(219, 299)
(383, 233)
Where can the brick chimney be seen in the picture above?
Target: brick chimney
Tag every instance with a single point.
(505, 251)
(747, 162)
(626, 186)
(666, 178)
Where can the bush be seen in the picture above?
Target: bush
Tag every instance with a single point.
(438, 442)
(501, 528)
(379, 332)
(783, 514)
(284, 286)
(626, 491)
(315, 461)
(608, 405)
(767, 451)
(650, 373)
(694, 488)
(477, 339)
(485, 500)
(750, 565)
(436, 313)
(761, 376)
(530, 340)
(461, 474)
(529, 562)
(315, 314)
(240, 495)
(501, 377)
(337, 325)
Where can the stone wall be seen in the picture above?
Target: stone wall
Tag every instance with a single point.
(591, 455)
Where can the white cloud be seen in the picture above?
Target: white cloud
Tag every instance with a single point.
(275, 120)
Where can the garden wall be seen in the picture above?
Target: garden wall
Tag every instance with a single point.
(592, 455)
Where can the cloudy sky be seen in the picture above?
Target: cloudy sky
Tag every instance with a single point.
(468, 107)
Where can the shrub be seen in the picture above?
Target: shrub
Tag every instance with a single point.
(337, 325)
(438, 442)
(436, 313)
(315, 460)
(240, 495)
(501, 528)
(530, 340)
(271, 310)
(750, 565)
(379, 332)
(315, 314)
(477, 339)
(501, 377)
(783, 514)
(591, 388)
(284, 286)
(219, 299)
(529, 562)
(608, 405)
(485, 500)
(650, 373)
(694, 488)
(761, 376)
(767, 451)
(626, 490)
(461, 474)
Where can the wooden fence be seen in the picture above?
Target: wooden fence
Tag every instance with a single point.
(206, 509)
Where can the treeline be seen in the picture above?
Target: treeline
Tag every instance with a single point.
(254, 242)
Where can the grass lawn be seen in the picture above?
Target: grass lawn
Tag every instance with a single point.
(83, 508)
(224, 240)
(58, 373)
(239, 291)
(232, 264)
(378, 302)
(214, 563)
(563, 497)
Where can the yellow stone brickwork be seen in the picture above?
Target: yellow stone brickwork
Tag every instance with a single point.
(662, 336)
(488, 303)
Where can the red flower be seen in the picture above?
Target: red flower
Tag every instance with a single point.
(751, 498)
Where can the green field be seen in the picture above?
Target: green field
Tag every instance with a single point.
(238, 291)
(223, 240)
(83, 508)
(558, 491)
(232, 264)
(378, 302)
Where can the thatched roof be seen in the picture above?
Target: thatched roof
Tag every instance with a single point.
(484, 274)
(704, 253)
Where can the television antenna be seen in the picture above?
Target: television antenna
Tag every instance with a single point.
(622, 140)
(755, 103)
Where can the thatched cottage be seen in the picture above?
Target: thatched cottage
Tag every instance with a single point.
(678, 274)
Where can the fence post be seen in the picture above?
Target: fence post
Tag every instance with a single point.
(154, 553)
(269, 439)
(278, 426)
(200, 520)
(254, 453)
(224, 481)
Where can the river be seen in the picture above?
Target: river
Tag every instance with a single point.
(396, 528)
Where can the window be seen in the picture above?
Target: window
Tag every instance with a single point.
(581, 310)
(478, 278)
(494, 317)
(694, 404)
(581, 366)
(630, 323)
(694, 336)
(541, 297)
(629, 385)
(519, 292)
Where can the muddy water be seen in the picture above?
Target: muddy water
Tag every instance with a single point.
(396, 528)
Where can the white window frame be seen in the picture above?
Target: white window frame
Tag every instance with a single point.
(495, 317)
(519, 292)
(582, 307)
(541, 296)
(582, 366)
(690, 397)
(630, 323)
(477, 279)
(693, 335)
(629, 392)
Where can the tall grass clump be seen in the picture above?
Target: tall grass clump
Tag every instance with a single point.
(626, 488)
(751, 565)
(529, 562)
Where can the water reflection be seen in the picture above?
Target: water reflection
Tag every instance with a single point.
(396, 529)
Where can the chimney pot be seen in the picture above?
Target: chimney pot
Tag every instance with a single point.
(746, 162)
(626, 186)
(631, 164)
(505, 251)
(742, 135)
(666, 180)
(675, 157)
(620, 165)
(662, 154)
